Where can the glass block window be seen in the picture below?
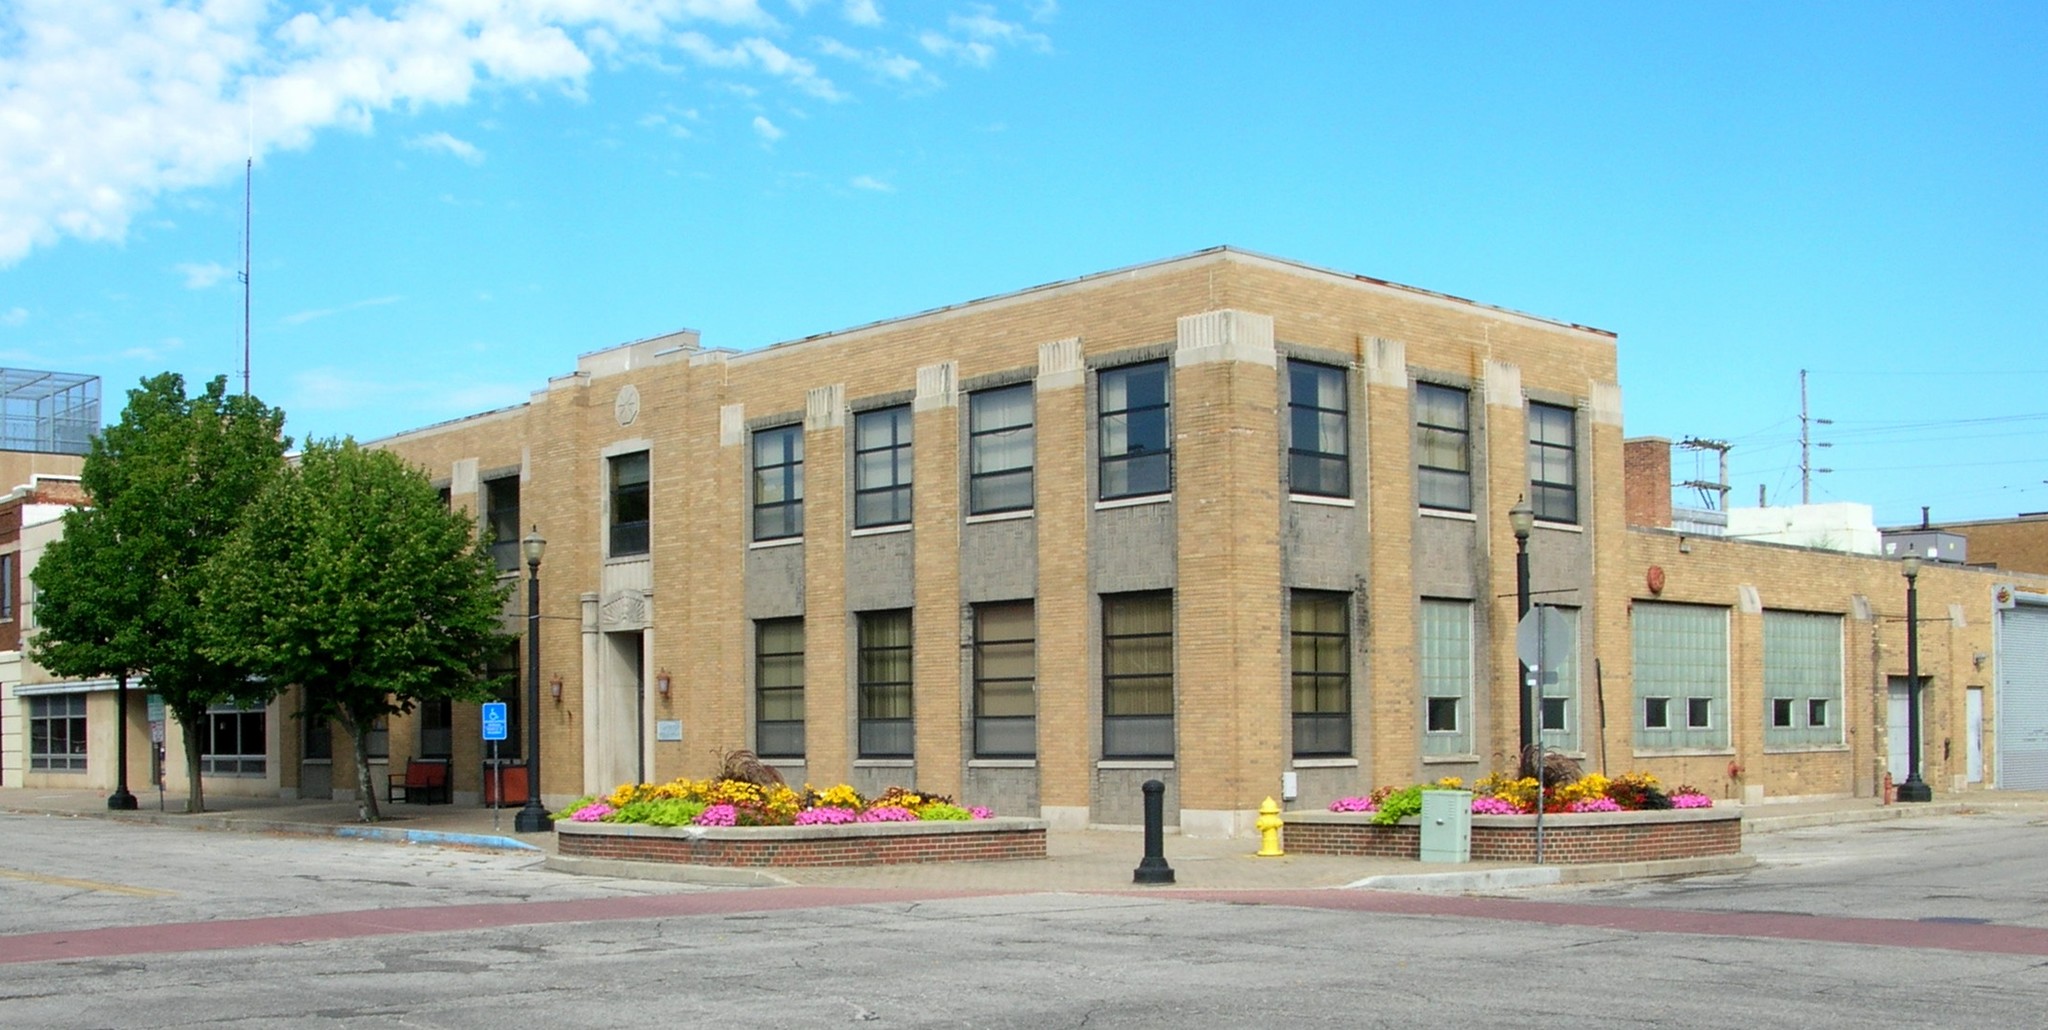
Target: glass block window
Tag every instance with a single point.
(1446, 632)
(1319, 430)
(779, 483)
(1559, 694)
(1443, 447)
(1000, 438)
(1137, 676)
(1319, 633)
(1553, 463)
(884, 683)
(1802, 679)
(1135, 425)
(881, 467)
(1005, 681)
(779, 688)
(1681, 675)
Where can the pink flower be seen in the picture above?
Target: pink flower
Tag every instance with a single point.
(1691, 801)
(1593, 805)
(827, 815)
(718, 815)
(1494, 806)
(888, 814)
(981, 813)
(1353, 805)
(591, 813)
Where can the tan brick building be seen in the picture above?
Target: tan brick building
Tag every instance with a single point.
(1226, 521)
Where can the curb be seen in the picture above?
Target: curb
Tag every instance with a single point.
(1775, 823)
(1550, 875)
(243, 824)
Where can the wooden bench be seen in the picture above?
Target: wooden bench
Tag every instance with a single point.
(424, 781)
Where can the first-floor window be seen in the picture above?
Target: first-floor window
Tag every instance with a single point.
(1802, 679)
(1446, 631)
(1320, 634)
(56, 732)
(437, 730)
(1005, 681)
(318, 736)
(885, 721)
(779, 688)
(1558, 694)
(1681, 675)
(505, 675)
(236, 742)
(1137, 676)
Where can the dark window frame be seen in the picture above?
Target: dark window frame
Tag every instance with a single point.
(247, 729)
(501, 521)
(1122, 689)
(987, 484)
(883, 684)
(781, 516)
(1325, 722)
(1554, 462)
(631, 504)
(779, 738)
(1310, 468)
(1141, 465)
(57, 740)
(992, 649)
(1437, 486)
(893, 497)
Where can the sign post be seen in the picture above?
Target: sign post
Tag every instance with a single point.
(1543, 642)
(494, 731)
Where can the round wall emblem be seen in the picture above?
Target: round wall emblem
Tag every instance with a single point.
(1655, 579)
(627, 406)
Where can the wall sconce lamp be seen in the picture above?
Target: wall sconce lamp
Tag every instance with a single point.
(1684, 545)
(555, 688)
(661, 682)
(1977, 659)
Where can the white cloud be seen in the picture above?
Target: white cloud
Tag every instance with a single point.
(863, 12)
(883, 64)
(869, 182)
(14, 316)
(755, 53)
(447, 144)
(974, 38)
(767, 130)
(200, 276)
(302, 317)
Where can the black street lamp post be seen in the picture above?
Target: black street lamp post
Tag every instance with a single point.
(1522, 519)
(121, 800)
(534, 817)
(1915, 788)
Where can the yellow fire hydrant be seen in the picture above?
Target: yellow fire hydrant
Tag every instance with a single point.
(1269, 830)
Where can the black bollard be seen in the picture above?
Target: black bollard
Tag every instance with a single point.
(1154, 868)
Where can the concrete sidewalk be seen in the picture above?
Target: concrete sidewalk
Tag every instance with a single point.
(1094, 859)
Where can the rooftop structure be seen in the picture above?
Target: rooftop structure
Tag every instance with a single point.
(48, 412)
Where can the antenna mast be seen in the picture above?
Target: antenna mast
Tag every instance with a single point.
(248, 228)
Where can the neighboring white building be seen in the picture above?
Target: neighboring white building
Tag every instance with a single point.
(1843, 526)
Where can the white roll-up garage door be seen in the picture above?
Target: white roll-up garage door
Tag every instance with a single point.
(2022, 725)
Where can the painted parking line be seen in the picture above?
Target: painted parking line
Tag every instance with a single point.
(86, 885)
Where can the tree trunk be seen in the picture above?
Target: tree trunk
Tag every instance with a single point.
(193, 722)
(366, 791)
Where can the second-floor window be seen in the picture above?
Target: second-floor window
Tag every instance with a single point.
(1553, 463)
(779, 483)
(881, 467)
(1319, 430)
(1443, 453)
(1000, 431)
(629, 505)
(1136, 431)
(501, 520)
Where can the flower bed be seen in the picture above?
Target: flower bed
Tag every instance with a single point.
(735, 822)
(1630, 818)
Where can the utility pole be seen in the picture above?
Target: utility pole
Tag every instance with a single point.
(1718, 488)
(1806, 444)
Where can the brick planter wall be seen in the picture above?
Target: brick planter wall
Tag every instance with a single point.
(982, 840)
(1571, 839)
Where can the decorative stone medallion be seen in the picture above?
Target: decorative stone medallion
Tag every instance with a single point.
(627, 406)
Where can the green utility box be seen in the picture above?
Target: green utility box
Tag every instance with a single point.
(1447, 826)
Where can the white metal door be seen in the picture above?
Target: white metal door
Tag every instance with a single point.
(1974, 718)
(1897, 731)
(2022, 699)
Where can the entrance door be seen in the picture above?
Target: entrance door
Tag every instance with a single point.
(620, 727)
(1973, 715)
(1898, 732)
(2022, 698)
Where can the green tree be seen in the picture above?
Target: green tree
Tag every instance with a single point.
(120, 589)
(350, 578)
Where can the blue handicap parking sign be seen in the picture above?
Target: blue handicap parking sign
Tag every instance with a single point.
(494, 720)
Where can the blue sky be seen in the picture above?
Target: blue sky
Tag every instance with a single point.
(455, 197)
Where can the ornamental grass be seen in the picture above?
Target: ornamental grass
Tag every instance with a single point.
(736, 802)
(1501, 794)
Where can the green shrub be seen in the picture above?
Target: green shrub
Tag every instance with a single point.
(659, 812)
(1404, 802)
(942, 812)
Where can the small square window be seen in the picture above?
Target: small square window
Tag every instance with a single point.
(1443, 715)
(1781, 712)
(1817, 712)
(1656, 713)
(1553, 715)
(1699, 713)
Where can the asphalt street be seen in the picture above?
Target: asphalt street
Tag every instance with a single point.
(1943, 924)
